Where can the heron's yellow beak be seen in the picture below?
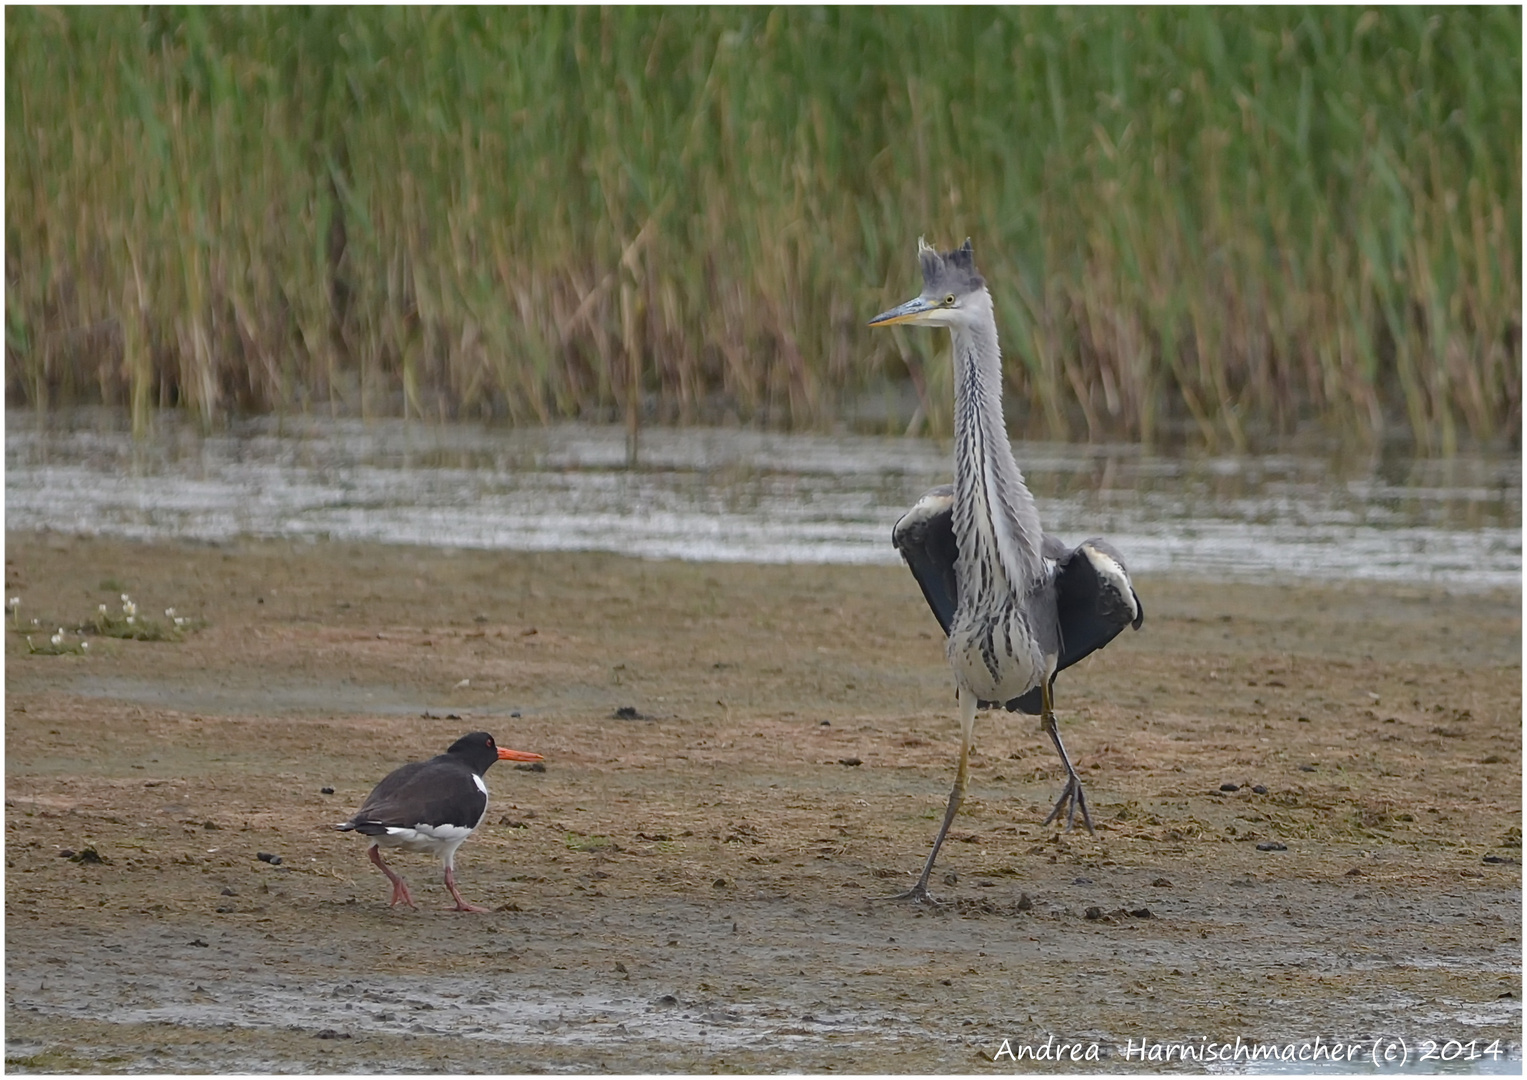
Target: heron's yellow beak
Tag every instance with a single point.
(910, 312)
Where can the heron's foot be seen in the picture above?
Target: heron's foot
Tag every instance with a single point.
(462, 905)
(917, 894)
(1071, 800)
(400, 895)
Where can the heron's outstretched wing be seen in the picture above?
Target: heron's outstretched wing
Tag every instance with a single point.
(1094, 601)
(1094, 597)
(925, 538)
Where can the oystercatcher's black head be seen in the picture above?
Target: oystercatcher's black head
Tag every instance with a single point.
(479, 751)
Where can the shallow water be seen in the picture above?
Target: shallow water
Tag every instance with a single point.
(751, 496)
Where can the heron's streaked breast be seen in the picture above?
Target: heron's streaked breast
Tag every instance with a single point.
(995, 653)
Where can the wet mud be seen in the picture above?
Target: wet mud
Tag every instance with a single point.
(1307, 798)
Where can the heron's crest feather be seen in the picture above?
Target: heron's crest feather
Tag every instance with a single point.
(953, 271)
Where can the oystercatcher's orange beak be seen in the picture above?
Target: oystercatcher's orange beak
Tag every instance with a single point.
(517, 755)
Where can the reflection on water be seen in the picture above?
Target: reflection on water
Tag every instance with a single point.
(752, 496)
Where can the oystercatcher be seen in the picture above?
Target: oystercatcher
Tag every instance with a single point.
(432, 806)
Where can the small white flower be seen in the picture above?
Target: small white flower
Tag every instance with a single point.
(84, 646)
(14, 601)
(169, 613)
(179, 620)
(102, 609)
(58, 638)
(125, 598)
(131, 620)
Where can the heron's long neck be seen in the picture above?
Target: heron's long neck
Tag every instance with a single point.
(995, 522)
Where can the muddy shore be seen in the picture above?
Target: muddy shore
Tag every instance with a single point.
(691, 888)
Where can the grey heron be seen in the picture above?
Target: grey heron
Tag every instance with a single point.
(1018, 606)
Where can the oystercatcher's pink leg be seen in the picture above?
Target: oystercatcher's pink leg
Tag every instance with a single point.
(461, 905)
(399, 888)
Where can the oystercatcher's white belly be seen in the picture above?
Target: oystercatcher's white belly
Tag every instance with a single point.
(428, 839)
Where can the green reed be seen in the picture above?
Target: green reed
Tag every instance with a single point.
(1238, 221)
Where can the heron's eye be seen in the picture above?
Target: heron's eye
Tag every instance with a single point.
(949, 300)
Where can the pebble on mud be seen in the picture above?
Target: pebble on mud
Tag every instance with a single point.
(850, 761)
(265, 856)
(330, 1033)
(325, 791)
(534, 766)
(1093, 912)
(1024, 904)
(1259, 789)
(626, 712)
(1162, 883)
(1142, 913)
(667, 1001)
(1230, 787)
(229, 891)
(89, 855)
(1271, 845)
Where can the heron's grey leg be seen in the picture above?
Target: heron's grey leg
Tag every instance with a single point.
(1071, 799)
(919, 892)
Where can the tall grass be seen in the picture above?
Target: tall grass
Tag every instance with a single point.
(1242, 221)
